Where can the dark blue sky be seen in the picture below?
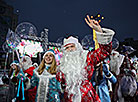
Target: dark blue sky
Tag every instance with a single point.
(67, 16)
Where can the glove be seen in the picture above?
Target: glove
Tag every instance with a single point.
(21, 74)
(106, 69)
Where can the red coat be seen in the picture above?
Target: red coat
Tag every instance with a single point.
(29, 72)
(30, 93)
(88, 93)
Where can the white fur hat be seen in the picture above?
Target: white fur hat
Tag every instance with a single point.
(133, 71)
(70, 40)
(14, 62)
(51, 51)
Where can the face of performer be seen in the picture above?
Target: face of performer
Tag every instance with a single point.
(70, 47)
(49, 58)
(13, 66)
(24, 60)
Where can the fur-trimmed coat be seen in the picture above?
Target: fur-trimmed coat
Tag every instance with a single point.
(88, 93)
(48, 88)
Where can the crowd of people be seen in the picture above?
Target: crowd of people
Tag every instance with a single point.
(101, 75)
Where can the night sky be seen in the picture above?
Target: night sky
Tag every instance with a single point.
(63, 17)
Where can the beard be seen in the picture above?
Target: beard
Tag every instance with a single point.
(72, 65)
(26, 62)
(26, 65)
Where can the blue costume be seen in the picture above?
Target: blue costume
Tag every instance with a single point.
(48, 88)
(103, 91)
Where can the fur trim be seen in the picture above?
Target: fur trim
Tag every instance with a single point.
(49, 51)
(105, 38)
(109, 76)
(43, 87)
(70, 40)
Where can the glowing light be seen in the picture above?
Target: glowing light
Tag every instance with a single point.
(58, 54)
(29, 47)
(99, 21)
(102, 17)
(91, 16)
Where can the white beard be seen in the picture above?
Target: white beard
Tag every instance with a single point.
(72, 65)
(26, 65)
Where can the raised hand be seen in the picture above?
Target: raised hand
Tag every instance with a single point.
(93, 24)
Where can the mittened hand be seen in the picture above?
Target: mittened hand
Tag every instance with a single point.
(106, 69)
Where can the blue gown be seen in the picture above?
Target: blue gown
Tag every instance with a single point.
(48, 88)
(103, 91)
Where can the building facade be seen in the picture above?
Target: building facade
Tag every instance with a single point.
(8, 19)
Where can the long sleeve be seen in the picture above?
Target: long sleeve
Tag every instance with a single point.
(58, 86)
(104, 50)
(97, 56)
(34, 80)
(111, 78)
(29, 72)
(108, 75)
(94, 57)
(31, 83)
(61, 78)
